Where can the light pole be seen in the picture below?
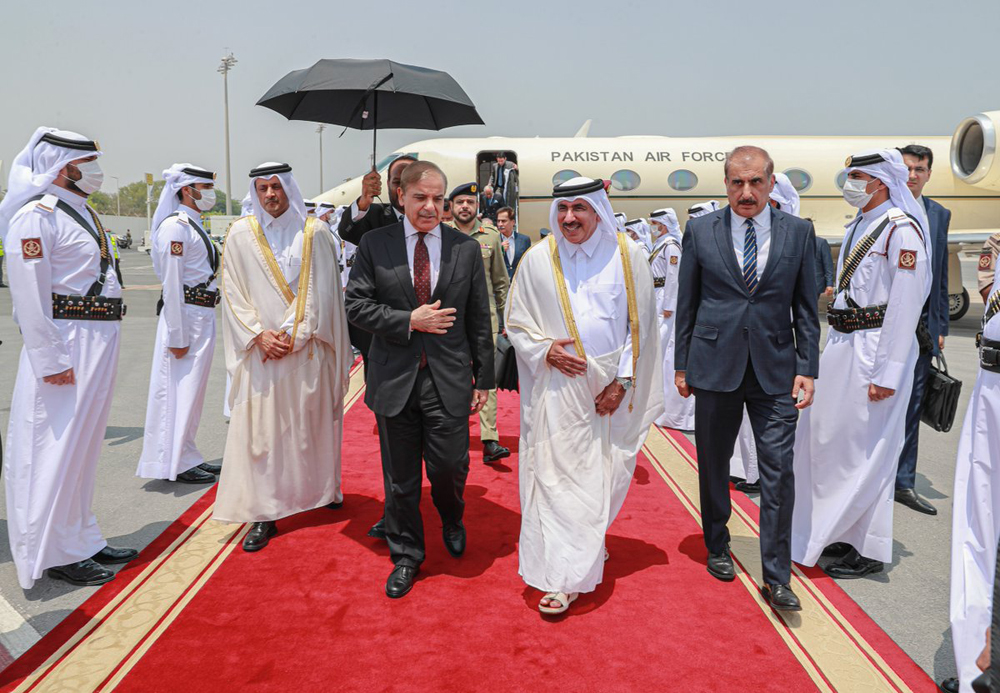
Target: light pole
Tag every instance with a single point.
(118, 195)
(319, 129)
(227, 64)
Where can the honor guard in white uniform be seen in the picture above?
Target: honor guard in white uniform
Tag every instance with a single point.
(66, 291)
(187, 262)
(848, 444)
(665, 263)
(976, 504)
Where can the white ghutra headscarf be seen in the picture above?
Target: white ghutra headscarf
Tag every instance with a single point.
(785, 194)
(593, 192)
(887, 165)
(176, 177)
(266, 171)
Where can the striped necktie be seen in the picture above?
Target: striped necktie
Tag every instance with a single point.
(750, 257)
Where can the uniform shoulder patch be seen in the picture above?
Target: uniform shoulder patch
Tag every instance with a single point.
(31, 248)
(986, 260)
(907, 259)
(674, 259)
(176, 248)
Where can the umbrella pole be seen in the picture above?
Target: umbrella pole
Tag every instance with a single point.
(374, 128)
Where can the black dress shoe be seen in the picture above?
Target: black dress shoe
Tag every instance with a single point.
(86, 573)
(747, 487)
(909, 498)
(781, 597)
(736, 479)
(720, 566)
(259, 535)
(335, 505)
(454, 539)
(837, 550)
(949, 685)
(853, 566)
(110, 555)
(195, 476)
(493, 451)
(378, 529)
(210, 468)
(400, 581)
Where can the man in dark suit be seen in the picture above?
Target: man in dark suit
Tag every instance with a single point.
(919, 160)
(419, 287)
(824, 268)
(748, 336)
(489, 204)
(514, 244)
(503, 179)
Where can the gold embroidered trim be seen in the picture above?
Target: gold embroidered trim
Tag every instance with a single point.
(567, 308)
(633, 306)
(272, 264)
(300, 304)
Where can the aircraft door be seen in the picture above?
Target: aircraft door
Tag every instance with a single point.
(504, 185)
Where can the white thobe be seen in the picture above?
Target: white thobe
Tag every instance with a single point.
(975, 519)
(575, 466)
(283, 445)
(847, 447)
(177, 386)
(678, 412)
(56, 431)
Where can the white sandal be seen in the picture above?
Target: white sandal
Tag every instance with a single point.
(564, 601)
(606, 555)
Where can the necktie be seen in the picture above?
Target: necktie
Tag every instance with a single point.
(422, 279)
(750, 257)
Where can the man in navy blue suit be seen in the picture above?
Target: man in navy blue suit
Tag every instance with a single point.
(514, 244)
(748, 336)
(934, 316)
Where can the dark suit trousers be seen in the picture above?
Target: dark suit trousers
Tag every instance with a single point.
(362, 341)
(422, 431)
(718, 416)
(906, 473)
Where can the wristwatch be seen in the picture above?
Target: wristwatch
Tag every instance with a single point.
(626, 383)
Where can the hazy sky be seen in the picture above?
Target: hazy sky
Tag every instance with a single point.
(141, 77)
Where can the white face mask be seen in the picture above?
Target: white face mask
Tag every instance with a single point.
(92, 176)
(207, 200)
(855, 193)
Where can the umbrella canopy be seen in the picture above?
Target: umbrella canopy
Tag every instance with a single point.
(372, 94)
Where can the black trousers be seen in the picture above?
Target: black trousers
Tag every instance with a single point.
(717, 420)
(906, 473)
(422, 431)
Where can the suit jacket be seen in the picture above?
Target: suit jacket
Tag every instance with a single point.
(521, 245)
(935, 311)
(377, 217)
(720, 325)
(380, 298)
(509, 177)
(824, 266)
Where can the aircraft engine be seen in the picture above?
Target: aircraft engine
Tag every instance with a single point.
(974, 157)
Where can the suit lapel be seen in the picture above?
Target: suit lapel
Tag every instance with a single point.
(724, 238)
(396, 249)
(447, 262)
(778, 235)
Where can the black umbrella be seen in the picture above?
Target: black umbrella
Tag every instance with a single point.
(372, 95)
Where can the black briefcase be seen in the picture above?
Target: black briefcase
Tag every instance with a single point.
(940, 398)
(505, 364)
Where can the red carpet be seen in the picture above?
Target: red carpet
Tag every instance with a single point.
(309, 612)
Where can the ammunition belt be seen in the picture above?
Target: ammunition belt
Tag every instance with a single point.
(198, 296)
(659, 282)
(349, 262)
(989, 355)
(75, 307)
(849, 320)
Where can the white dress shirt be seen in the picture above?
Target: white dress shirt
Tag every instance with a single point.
(762, 227)
(432, 239)
(510, 247)
(285, 235)
(596, 284)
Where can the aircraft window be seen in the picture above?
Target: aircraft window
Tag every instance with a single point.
(625, 180)
(384, 163)
(563, 176)
(682, 179)
(841, 179)
(800, 179)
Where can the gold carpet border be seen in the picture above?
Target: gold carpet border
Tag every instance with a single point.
(134, 619)
(832, 652)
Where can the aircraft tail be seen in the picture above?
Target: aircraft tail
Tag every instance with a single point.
(584, 129)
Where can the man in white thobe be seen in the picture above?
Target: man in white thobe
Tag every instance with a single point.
(665, 263)
(975, 519)
(186, 261)
(847, 445)
(288, 355)
(66, 292)
(583, 320)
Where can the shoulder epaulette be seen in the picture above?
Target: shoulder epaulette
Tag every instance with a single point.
(898, 216)
(47, 204)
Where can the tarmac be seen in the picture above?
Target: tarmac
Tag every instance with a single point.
(909, 600)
